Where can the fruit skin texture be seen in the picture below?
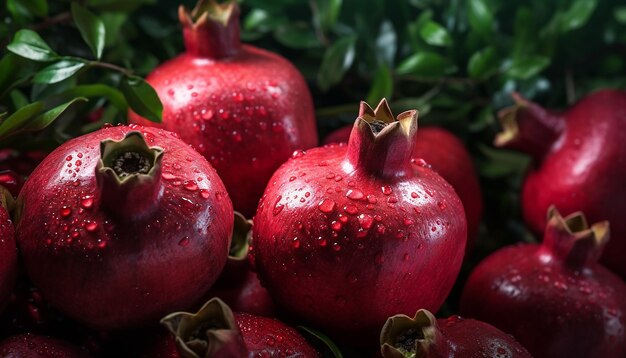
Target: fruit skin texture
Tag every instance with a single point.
(447, 337)
(554, 298)
(245, 109)
(580, 163)
(115, 256)
(30, 345)
(8, 257)
(346, 236)
(447, 155)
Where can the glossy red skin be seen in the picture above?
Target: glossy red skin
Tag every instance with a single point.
(239, 287)
(246, 114)
(472, 338)
(124, 273)
(585, 170)
(8, 257)
(447, 155)
(30, 345)
(267, 337)
(348, 282)
(548, 308)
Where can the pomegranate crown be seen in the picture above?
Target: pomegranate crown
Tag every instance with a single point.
(572, 239)
(404, 337)
(212, 331)
(130, 159)
(381, 119)
(208, 10)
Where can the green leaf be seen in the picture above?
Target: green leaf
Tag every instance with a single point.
(328, 13)
(328, 343)
(336, 61)
(434, 34)
(527, 67)
(425, 64)
(91, 28)
(142, 98)
(19, 118)
(58, 71)
(620, 14)
(382, 86)
(483, 63)
(18, 99)
(29, 44)
(45, 119)
(38, 8)
(573, 18)
(480, 17)
(98, 91)
(298, 35)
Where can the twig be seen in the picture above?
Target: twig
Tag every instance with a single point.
(319, 33)
(111, 66)
(51, 21)
(570, 87)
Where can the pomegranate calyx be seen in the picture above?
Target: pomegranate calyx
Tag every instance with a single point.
(380, 143)
(210, 332)
(129, 174)
(242, 234)
(403, 336)
(528, 127)
(573, 240)
(211, 29)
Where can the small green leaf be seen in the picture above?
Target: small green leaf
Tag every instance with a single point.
(382, 86)
(29, 44)
(336, 61)
(620, 14)
(58, 71)
(425, 64)
(38, 8)
(527, 67)
(483, 63)
(328, 13)
(573, 18)
(480, 17)
(328, 343)
(434, 34)
(18, 99)
(91, 28)
(98, 91)
(298, 35)
(19, 118)
(142, 98)
(45, 119)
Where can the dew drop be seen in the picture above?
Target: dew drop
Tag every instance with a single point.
(355, 194)
(86, 202)
(350, 209)
(91, 226)
(414, 195)
(278, 207)
(326, 206)
(295, 243)
(65, 211)
(336, 225)
(204, 193)
(184, 241)
(386, 189)
(366, 221)
(190, 185)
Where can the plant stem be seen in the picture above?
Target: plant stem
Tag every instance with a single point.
(110, 66)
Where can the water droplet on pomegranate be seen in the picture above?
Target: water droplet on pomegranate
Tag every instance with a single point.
(292, 178)
(414, 195)
(407, 222)
(204, 193)
(278, 207)
(355, 194)
(86, 202)
(295, 243)
(441, 205)
(184, 241)
(91, 226)
(350, 209)
(190, 185)
(335, 225)
(366, 221)
(322, 241)
(65, 211)
(326, 206)
(386, 189)
(68, 158)
(372, 199)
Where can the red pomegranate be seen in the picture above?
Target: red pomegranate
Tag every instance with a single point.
(30, 345)
(447, 155)
(427, 337)
(8, 251)
(554, 297)
(346, 236)
(580, 162)
(214, 331)
(238, 286)
(245, 109)
(120, 226)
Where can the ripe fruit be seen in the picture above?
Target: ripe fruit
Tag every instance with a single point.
(554, 297)
(245, 109)
(425, 336)
(215, 332)
(580, 162)
(8, 251)
(238, 286)
(447, 155)
(120, 226)
(346, 236)
(30, 345)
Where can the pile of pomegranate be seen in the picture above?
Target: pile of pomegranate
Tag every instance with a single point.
(225, 232)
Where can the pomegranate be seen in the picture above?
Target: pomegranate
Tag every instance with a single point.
(8, 251)
(346, 236)
(120, 226)
(425, 336)
(554, 297)
(238, 286)
(245, 109)
(214, 331)
(447, 155)
(30, 345)
(580, 162)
